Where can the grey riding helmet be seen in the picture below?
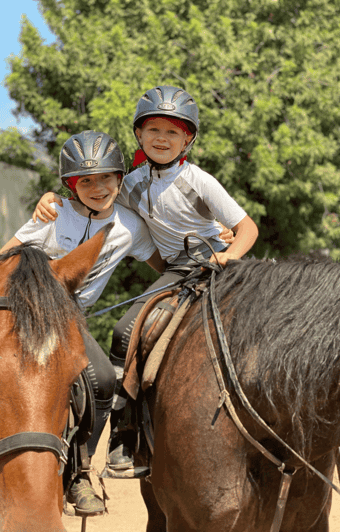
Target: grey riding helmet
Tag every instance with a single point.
(168, 101)
(90, 152)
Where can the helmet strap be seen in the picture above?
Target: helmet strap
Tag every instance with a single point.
(92, 212)
(86, 235)
(181, 157)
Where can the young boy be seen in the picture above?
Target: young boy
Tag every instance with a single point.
(174, 198)
(92, 167)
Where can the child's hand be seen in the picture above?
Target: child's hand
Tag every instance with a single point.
(44, 211)
(223, 258)
(226, 234)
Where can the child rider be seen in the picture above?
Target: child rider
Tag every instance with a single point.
(92, 167)
(174, 198)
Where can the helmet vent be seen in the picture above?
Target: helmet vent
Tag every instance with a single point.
(177, 95)
(190, 102)
(78, 148)
(110, 148)
(146, 97)
(159, 92)
(96, 145)
(68, 153)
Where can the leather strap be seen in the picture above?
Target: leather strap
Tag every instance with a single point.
(286, 481)
(225, 396)
(166, 306)
(3, 302)
(35, 441)
(156, 356)
(239, 391)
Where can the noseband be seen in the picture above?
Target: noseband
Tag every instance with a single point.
(34, 441)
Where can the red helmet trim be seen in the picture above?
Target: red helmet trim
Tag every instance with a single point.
(175, 121)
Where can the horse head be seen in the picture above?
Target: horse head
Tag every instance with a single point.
(41, 355)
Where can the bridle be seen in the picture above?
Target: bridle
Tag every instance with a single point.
(36, 441)
(209, 296)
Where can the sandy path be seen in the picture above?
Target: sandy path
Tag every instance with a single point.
(127, 512)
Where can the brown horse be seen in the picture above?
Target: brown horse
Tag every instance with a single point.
(41, 355)
(282, 324)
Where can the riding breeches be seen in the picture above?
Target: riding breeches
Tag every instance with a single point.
(103, 379)
(122, 332)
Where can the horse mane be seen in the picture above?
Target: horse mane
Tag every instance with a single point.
(288, 314)
(42, 308)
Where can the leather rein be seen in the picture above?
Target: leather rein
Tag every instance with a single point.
(36, 441)
(209, 296)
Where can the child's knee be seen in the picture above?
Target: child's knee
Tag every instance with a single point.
(120, 341)
(109, 381)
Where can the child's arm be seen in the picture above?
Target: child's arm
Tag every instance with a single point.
(246, 234)
(156, 262)
(43, 209)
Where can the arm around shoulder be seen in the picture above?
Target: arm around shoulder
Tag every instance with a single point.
(43, 209)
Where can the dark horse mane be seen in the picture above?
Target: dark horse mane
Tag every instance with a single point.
(282, 321)
(41, 306)
(288, 313)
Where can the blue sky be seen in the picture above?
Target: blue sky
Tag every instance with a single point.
(11, 13)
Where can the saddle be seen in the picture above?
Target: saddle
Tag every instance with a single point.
(152, 320)
(155, 325)
(154, 328)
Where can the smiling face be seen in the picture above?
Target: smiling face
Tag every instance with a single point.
(161, 140)
(98, 192)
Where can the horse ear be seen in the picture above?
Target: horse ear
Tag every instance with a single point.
(75, 266)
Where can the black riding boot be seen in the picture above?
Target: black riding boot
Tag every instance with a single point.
(121, 459)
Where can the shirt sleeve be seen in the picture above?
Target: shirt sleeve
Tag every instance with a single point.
(143, 246)
(220, 203)
(35, 232)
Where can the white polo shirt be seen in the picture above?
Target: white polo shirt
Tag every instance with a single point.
(128, 237)
(184, 199)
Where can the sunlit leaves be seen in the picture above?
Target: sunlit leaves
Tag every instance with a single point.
(265, 75)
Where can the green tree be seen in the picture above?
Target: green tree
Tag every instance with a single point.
(17, 150)
(264, 74)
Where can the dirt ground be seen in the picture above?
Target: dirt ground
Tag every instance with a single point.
(127, 512)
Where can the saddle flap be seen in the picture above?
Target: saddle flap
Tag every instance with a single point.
(131, 379)
(78, 398)
(156, 322)
(159, 326)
